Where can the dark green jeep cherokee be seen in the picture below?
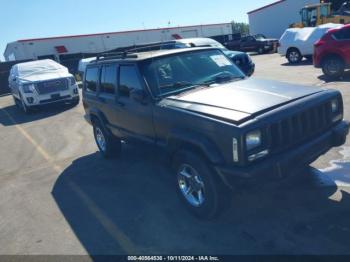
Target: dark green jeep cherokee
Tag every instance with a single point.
(216, 125)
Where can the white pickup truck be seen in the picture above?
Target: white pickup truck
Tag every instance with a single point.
(42, 82)
(297, 43)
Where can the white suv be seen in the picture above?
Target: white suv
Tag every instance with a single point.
(297, 43)
(42, 82)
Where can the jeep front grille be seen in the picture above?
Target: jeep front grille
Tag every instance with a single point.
(300, 127)
(52, 86)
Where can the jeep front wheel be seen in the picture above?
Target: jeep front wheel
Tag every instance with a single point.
(108, 145)
(197, 188)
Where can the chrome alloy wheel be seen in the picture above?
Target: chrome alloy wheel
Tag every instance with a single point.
(294, 56)
(100, 139)
(191, 185)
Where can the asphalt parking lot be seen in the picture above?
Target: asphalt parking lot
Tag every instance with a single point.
(58, 196)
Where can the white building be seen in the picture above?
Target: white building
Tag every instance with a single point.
(62, 47)
(273, 19)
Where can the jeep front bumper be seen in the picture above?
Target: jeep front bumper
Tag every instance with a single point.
(279, 166)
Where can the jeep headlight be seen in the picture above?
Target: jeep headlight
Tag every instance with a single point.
(28, 88)
(337, 113)
(249, 59)
(335, 105)
(253, 139)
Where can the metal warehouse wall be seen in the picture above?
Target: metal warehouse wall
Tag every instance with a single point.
(272, 21)
(34, 48)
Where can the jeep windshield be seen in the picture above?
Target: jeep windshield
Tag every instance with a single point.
(176, 73)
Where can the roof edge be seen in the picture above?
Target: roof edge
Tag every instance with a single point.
(119, 32)
(7, 46)
(266, 6)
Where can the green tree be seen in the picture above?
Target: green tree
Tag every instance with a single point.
(242, 28)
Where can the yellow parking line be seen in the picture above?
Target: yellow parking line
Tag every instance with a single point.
(124, 242)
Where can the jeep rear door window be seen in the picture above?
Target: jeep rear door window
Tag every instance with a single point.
(175, 73)
(91, 79)
(108, 79)
(128, 80)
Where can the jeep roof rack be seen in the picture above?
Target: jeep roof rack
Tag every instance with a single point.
(148, 47)
(115, 55)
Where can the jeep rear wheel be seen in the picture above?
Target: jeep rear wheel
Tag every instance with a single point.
(197, 186)
(333, 67)
(294, 56)
(108, 145)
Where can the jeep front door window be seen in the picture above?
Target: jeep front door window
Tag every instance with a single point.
(133, 117)
(128, 80)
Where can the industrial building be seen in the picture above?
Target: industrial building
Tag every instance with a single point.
(273, 19)
(63, 47)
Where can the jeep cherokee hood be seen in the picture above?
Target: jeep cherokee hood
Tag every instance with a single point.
(238, 100)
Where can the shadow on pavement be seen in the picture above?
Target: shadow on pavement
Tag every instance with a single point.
(257, 54)
(304, 62)
(38, 113)
(129, 205)
(344, 78)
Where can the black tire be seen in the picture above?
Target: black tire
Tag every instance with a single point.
(213, 189)
(112, 145)
(26, 109)
(17, 103)
(294, 56)
(333, 67)
(260, 50)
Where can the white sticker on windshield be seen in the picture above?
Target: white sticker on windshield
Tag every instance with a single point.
(220, 60)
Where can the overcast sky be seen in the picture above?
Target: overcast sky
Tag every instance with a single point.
(22, 19)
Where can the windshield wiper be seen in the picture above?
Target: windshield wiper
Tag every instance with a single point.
(221, 79)
(178, 87)
(178, 84)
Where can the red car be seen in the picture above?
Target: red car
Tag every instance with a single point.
(332, 52)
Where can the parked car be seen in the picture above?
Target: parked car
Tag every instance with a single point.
(296, 43)
(241, 59)
(216, 125)
(42, 82)
(253, 43)
(332, 52)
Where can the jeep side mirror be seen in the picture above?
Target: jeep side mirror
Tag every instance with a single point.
(138, 95)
